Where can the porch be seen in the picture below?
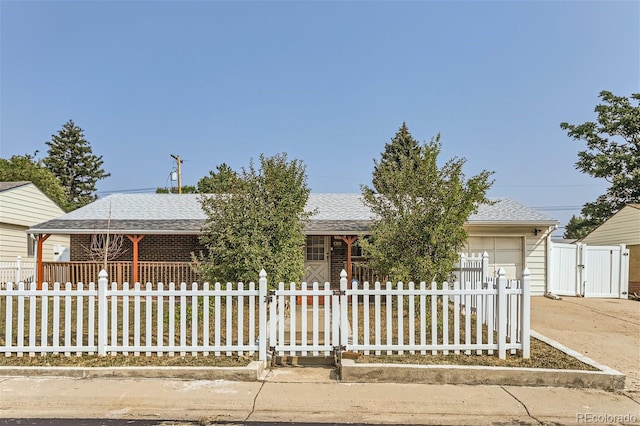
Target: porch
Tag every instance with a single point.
(471, 268)
(121, 271)
(165, 272)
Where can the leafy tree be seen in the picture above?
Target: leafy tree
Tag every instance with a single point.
(186, 189)
(613, 153)
(71, 159)
(221, 181)
(420, 208)
(26, 168)
(578, 227)
(257, 224)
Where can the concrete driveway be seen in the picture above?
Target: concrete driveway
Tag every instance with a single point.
(605, 330)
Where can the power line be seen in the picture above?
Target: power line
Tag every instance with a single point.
(549, 186)
(116, 191)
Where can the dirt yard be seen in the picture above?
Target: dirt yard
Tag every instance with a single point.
(605, 330)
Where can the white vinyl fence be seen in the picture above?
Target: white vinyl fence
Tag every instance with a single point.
(17, 271)
(472, 268)
(239, 319)
(590, 271)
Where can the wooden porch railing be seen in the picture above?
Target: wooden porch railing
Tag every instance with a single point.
(120, 272)
(361, 272)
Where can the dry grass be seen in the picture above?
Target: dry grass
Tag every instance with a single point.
(542, 356)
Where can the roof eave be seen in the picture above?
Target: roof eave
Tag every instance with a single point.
(35, 231)
(514, 223)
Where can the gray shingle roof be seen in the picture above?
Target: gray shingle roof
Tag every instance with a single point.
(510, 211)
(175, 214)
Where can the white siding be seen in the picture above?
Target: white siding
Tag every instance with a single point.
(621, 228)
(536, 261)
(27, 206)
(13, 242)
(21, 208)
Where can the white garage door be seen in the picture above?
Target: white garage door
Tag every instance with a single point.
(504, 252)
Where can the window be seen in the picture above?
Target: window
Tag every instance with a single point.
(32, 244)
(97, 242)
(315, 247)
(356, 249)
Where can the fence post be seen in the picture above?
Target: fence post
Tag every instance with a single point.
(582, 268)
(623, 288)
(502, 314)
(485, 267)
(344, 320)
(262, 333)
(525, 314)
(18, 262)
(102, 312)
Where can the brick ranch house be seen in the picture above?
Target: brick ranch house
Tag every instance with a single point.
(160, 232)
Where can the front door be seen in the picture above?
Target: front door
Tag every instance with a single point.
(317, 259)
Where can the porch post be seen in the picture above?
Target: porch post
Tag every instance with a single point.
(40, 275)
(349, 240)
(135, 239)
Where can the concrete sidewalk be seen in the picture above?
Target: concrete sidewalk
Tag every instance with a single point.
(306, 395)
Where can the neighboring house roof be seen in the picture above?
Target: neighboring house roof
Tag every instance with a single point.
(621, 228)
(181, 214)
(4, 186)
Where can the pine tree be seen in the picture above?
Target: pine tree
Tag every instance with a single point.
(71, 159)
(420, 210)
(403, 147)
(221, 181)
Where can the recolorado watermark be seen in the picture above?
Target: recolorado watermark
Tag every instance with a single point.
(605, 418)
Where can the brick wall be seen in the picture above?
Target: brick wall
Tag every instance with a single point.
(153, 248)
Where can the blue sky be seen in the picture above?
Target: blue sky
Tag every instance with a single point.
(327, 82)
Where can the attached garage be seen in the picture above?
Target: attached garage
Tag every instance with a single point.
(504, 252)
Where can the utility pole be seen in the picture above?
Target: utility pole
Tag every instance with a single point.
(178, 162)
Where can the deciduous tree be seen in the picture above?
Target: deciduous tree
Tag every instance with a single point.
(420, 209)
(258, 223)
(612, 153)
(26, 168)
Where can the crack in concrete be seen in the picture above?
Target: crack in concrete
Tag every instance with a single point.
(602, 313)
(255, 399)
(629, 395)
(523, 406)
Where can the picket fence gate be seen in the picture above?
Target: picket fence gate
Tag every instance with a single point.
(239, 319)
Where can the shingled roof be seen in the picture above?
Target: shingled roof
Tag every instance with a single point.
(181, 214)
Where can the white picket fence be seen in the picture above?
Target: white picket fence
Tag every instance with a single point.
(17, 271)
(233, 320)
(394, 318)
(472, 267)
